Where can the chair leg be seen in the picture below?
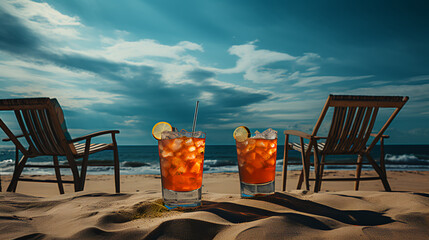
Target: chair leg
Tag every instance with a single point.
(84, 164)
(285, 162)
(380, 173)
(316, 170)
(16, 174)
(358, 171)
(117, 176)
(321, 168)
(305, 164)
(73, 168)
(58, 175)
(83, 172)
(382, 165)
(300, 179)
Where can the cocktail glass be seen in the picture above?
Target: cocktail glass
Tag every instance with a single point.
(181, 157)
(257, 164)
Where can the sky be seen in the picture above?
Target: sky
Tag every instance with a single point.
(263, 64)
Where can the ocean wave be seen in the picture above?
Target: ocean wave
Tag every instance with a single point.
(405, 159)
(219, 163)
(134, 164)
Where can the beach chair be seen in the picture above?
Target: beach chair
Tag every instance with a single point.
(44, 133)
(351, 127)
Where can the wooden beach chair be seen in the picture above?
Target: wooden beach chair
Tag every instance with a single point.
(44, 133)
(351, 126)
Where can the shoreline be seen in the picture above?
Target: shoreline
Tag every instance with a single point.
(224, 182)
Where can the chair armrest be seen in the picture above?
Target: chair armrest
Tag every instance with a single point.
(8, 139)
(318, 137)
(297, 133)
(382, 136)
(91, 135)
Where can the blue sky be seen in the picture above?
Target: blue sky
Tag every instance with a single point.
(260, 64)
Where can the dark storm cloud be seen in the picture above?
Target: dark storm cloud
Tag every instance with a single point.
(14, 36)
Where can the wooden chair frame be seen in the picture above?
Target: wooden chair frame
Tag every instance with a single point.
(42, 131)
(352, 122)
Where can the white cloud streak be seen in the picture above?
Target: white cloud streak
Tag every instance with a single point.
(43, 19)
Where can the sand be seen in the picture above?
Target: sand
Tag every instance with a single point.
(38, 211)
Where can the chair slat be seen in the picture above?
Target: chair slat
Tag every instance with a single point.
(358, 140)
(52, 141)
(334, 122)
(357, 120)
(32, 130)
(24, 130)
(56, 130)
(346, 129)
(369, 129)
(334, 132)
(40, 133)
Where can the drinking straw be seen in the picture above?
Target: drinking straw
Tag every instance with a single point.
(195, 117)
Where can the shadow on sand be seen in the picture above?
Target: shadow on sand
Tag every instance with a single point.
(237, 213)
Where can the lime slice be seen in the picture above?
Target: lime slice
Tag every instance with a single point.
(159, 128)
(241, 134)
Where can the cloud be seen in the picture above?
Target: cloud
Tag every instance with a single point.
(251, 62)
(419, 78)
(139, 50)
(309, 59)
(43, 19)
(320, 80)
(14, 36)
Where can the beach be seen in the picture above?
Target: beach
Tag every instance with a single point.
(38, 211)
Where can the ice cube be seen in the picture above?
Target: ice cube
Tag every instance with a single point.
(257, 134)
(269, 134)
(192, 148)
(249, 169)
(190, 156)
(201, 150)
(196, 168)
(250, 146)
(176, 145)
(165, 164)
(175, 161)
(251, 156)
(199, 143)
(261, 143)
(271, 162)
(197, 134)
(180, 170)
(170, 135)
(189, 142)
(165, 154)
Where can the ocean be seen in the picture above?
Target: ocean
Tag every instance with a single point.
(218, 158)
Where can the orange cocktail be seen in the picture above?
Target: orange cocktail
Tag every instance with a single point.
(256, 158)
(181, 162)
